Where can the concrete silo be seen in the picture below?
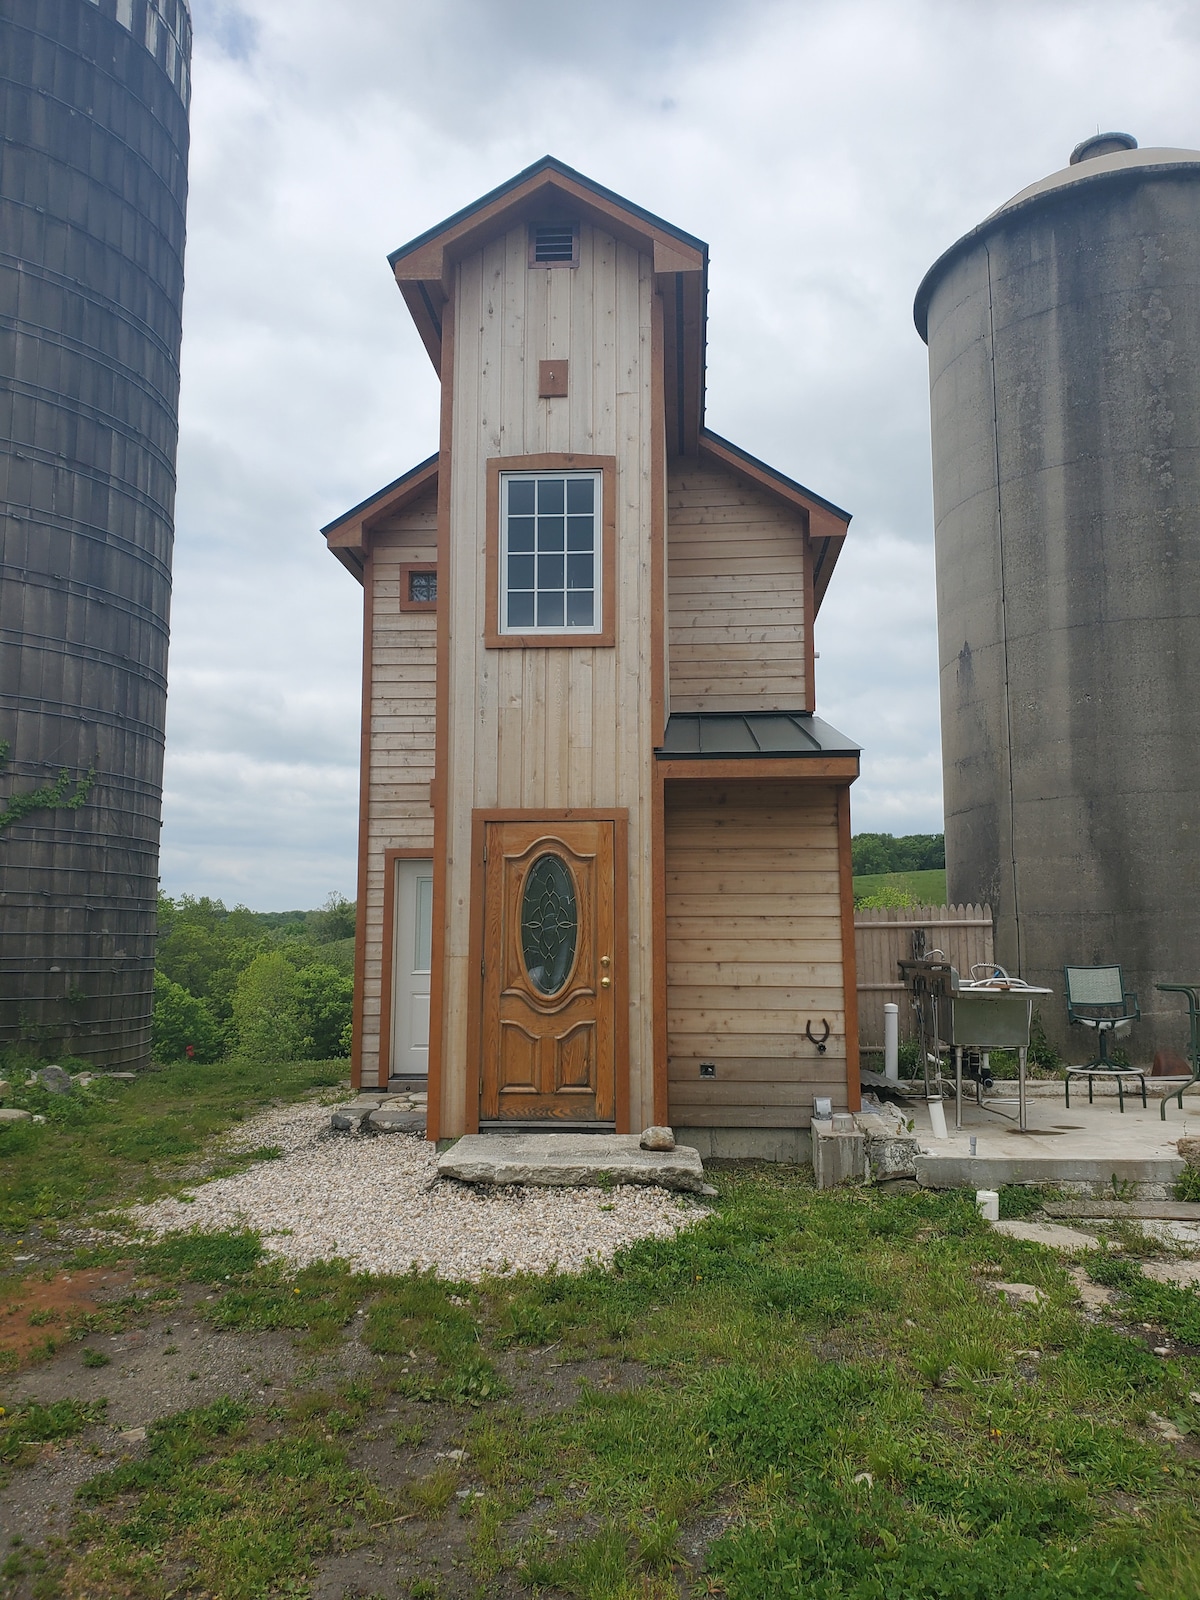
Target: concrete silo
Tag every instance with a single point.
(93, 184)
(1064, 358)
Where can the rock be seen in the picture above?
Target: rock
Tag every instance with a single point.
(11, 1114)
(1048, 1233)
(1189, 1149)
(570, 1160)
(1020, 1294)
(5, 1086)
(891, 1150)
(54, 1080)
(394, 1119)
(132, 1435)
(82, 1079)
(340, 1122)
(1164, 1428)
(1184, 1274)
(657, 1139)
(118, 1077)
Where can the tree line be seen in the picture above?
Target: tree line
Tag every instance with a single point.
(910, 852)
(267, 985)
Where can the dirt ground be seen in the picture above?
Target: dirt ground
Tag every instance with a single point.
(168, 1360)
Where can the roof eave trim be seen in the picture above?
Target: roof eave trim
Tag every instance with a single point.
(547, 164)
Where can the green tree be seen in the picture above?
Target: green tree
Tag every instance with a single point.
(180, 1019)
(326, 999)
(268, 1012)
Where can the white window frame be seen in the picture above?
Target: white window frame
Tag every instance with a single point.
(596, 626)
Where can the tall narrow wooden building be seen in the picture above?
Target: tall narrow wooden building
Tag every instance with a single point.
(604, 854)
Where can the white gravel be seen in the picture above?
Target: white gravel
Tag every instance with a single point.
(376, 1202)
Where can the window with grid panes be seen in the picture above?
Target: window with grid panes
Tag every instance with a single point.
(550, 552)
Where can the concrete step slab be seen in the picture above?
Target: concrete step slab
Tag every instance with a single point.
(1147, 1177)
(570, 1160)
(1052, 1234)
(1132, 1210)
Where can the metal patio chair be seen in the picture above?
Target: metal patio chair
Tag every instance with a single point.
(1096, 998)
(1193, 998)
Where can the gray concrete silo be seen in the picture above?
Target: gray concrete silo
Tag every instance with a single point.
(93, 184)
(1064, 358)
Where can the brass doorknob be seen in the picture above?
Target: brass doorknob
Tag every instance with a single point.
(605, 983)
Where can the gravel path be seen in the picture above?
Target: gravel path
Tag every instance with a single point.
(375, 1200)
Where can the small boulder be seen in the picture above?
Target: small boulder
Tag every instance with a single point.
(11, 1114)
(657, 1139)
(5, 1086)
(1020, 1294)
(394, 1119)
(54, 1080)
(342, 1122)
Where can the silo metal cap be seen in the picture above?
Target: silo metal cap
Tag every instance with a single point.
(1102, 144)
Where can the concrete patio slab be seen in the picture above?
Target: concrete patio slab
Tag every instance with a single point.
(1090, 1150)
(570, 1160)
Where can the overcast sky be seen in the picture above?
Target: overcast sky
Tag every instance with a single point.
(828, 153)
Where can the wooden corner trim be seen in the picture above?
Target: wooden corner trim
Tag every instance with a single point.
(415, 605)
(364, 828)
(441, 745)
(555, 462)
(849, 959)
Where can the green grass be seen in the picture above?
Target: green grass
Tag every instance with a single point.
(101, 1144)
(925, 888)
(825, 1381)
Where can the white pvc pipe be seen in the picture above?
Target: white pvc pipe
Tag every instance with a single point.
(891, 1041)
(937, 1119)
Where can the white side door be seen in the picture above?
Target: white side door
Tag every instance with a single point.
(412, 945)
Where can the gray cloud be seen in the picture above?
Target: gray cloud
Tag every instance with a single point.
(827, 151)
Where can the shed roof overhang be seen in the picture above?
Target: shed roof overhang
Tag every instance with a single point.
(548, 191)
(348, 536)
(723, 744)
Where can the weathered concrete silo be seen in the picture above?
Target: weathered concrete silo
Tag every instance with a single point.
(1064, 357)
(93, 184)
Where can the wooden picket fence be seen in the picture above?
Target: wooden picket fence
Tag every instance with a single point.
(884, 937)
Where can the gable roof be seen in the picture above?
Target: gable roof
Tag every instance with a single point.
(825, 523)
(547, 190)
(348, 535)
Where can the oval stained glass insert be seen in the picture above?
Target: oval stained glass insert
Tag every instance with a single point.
(549, 924)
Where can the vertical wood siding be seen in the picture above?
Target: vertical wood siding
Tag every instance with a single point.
(403, 670)
(736, 595)
(559, 727)
(883, 937)
(754, 952)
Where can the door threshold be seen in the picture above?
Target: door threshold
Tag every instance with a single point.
(543, 1125)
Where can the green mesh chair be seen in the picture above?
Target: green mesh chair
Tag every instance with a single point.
(1097, 999)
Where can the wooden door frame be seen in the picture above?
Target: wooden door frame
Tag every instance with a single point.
(386, 986)
(620, 820)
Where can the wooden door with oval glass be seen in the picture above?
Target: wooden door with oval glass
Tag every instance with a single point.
(548, 1033)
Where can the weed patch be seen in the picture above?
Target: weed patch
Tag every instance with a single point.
(1164, 1304)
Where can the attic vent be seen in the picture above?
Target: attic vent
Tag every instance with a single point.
(554, 244)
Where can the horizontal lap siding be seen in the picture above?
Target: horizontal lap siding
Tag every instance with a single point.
(754, 952)
(736, 596)
(403, 672)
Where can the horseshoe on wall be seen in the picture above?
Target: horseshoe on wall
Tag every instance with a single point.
(820, 1043)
